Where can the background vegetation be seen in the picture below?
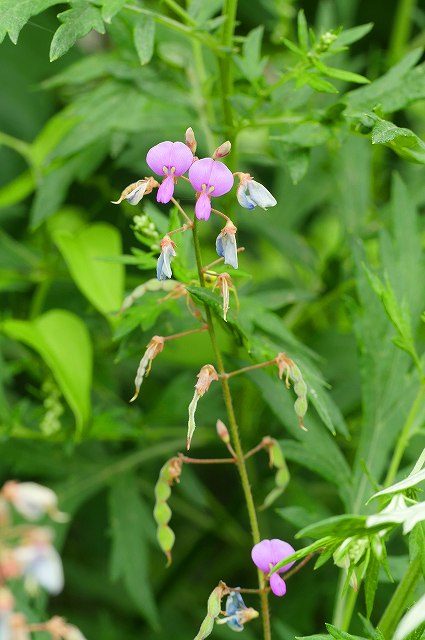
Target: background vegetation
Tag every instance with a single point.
(333, 275)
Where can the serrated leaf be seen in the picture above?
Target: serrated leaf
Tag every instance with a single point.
(110, 8)
(401, 140)
(63, 342)
(129, 520)
(78, 21)
(14, 14)
(250, 63)
(144, 38)
(101, 282)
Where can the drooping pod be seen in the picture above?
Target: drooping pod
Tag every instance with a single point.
(213, 611)
(169, 474)
(293, 374)
(277, 461)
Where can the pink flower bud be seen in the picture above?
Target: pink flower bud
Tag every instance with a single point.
(191, 140)
(222, 431)
(223, 150)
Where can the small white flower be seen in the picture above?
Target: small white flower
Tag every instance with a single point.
(39, 562)
(135, 192)
(163, 268)
(226, 245)
(251, 193)
(32, 500)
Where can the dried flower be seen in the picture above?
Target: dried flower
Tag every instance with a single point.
(226, 245)
(224, 283)
(237, 612)
(251, 193)
(135, 192)
(154, 347)
(32, 500)
(210, 178)
(169, 159)
(206, 375)
(266, 554)
(163, 267)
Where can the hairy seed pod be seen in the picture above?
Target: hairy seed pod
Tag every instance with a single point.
(162, 513)
(170, 473)
(213, 611)
(277, 460)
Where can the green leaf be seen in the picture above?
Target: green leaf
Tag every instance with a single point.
(130, 518)
(302, 30)
(349, 36)
(411, 621)
(305, 134)
(77, 22)
(144, 38)
(400, 86)
(336, 526)
(297, 162)
(316, 82)
(14, 14)
(100, 281)
(17, 190)
(251, 64)
(371, 581)
(340, 74)
(401, 140)
(63, 342)
(110, 8)
(341, 635)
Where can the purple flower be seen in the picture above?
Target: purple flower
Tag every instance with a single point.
(251, 193)
(209, 178)
(266, 554)
(171, 159)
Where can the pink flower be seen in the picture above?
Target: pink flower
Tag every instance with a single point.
(210, 178)
(169, 159)
(266, 554)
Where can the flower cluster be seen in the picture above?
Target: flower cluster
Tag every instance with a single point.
(210, 178)
(27, 552)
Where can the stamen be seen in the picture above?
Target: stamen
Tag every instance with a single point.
(173, 170)
(211, 189)
(165, 170)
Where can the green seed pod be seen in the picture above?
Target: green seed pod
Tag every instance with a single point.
(162, 491)
(300, 406)
(166, 538)
(214, 608)
(282, 478)
(300, 388)
(214, 602)
(295, 373)
(162, 513)
(276, 455)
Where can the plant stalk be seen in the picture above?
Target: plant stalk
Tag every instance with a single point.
(240, 458)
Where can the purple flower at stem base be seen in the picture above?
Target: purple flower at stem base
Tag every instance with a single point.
(210, 178)
(266, 554)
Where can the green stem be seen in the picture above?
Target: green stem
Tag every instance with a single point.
(20, 146)
(240, 458)
(404, 437)
(401, 599)
(401, 29)
(344, 604)
(178, 10)
(225, 66)
(204, 104)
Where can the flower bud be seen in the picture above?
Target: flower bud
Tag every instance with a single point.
(223, 150)
(222, 431)
(135, 191)
(191, 140)
(32, 500)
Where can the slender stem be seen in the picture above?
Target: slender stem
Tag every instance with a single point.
(401, 29)
(249, 368)
(240, 460)
(20, 146)
(223, 215)
(184, 214)
(242, 590)
(211, 264)
(299, 566)
(225, 67)
(204, 104)
(178, 10)
(188, 460)
(185, 333)
(401, 599)
(404, 437)
(185, 227)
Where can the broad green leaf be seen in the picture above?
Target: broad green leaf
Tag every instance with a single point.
(63, 342)
(14, 14)
(400, 86)
(250, 63)
(102, 282)
(77, 21)
(129, 519)
(144, 38)
(401, 140)
(411, 621)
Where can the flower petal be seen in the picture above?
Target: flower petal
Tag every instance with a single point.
(277, 585)
(181, 158)
(166, 190)
(203, 207)
(159, 157)
(243, 198)
(199, 173)
(261, 555)
(260, 195)
(221, 178)
(280, 550)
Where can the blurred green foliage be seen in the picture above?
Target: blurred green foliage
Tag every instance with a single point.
(337, 282)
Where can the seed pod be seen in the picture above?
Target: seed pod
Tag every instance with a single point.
(288, 366)
(206, 375)
(213, 611)
(277, 460)
(169, 474)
